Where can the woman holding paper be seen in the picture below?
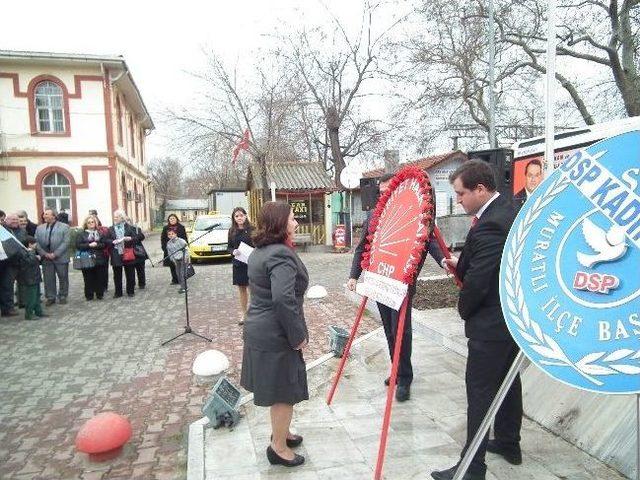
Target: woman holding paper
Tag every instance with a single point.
(275, 332)
(240, 232)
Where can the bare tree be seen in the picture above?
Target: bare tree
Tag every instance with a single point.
(446, 61)
(265, 106)
(601, 36)
(446, 65)
(336, 70)
(166, 177)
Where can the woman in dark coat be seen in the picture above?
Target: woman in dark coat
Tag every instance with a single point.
(240, 232)
(123, 237)
(141, 258)
(172, 221)
(275, 330)
(91, 240)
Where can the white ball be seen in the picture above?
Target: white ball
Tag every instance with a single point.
(210, 362)
(317, 291)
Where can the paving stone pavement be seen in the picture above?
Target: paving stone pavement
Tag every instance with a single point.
(90, 357)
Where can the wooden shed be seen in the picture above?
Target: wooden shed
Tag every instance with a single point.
(305, 185)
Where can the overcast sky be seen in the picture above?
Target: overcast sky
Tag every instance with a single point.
(160, 41)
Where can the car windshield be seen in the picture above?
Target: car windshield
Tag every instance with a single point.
(204, 223)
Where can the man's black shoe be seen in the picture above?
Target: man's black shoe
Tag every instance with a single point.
(449, 474)
(403, 393)
(10, 313)
(387, 380)
(511, 455)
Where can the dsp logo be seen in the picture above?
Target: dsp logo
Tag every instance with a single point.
(595, 282)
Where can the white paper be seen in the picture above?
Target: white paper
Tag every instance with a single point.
(245, 251)
(385, 290)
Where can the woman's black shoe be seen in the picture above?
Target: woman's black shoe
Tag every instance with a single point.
(294, 441)
(275, 459)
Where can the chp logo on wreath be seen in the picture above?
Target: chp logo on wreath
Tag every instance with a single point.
(569, 282)
(398, 231)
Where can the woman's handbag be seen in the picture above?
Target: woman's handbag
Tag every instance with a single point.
(84, 260)
(139, 251)
(128, 255)
(189, 271)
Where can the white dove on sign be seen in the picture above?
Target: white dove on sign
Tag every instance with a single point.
(609, 246)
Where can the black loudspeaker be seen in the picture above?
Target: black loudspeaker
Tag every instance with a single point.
(369, 192)
(501, 159)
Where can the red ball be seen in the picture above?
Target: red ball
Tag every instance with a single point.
(103, 433)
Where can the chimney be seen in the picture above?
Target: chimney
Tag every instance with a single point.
(391, 161)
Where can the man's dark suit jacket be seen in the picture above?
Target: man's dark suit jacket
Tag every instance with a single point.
(479, 268)
(519, 198)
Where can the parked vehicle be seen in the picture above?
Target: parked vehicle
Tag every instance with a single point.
(209, 236)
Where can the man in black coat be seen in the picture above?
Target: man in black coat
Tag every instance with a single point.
(388, 315)
(29, 226)
(491, 348)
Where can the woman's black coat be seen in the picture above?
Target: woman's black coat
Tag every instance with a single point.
(82, 243)
(136, 238)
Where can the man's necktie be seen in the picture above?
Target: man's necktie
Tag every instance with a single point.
(474, 220)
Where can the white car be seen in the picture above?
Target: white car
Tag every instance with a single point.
(209, 237)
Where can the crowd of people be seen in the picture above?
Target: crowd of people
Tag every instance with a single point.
(44, 255)
(271, 285)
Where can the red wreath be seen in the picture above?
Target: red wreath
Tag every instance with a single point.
(420, 242)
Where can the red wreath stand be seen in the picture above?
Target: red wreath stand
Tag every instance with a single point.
(398, 233)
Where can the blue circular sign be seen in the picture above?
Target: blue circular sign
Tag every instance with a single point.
(569, 277)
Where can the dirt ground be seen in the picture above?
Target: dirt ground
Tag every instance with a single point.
(435, 294)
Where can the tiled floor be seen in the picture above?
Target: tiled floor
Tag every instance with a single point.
(341, 440)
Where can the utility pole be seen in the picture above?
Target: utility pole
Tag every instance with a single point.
(492, 77)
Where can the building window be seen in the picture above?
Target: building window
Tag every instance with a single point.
(49, 107)
(119, 124)
(132, 136)
(141, 145)
(56, 192)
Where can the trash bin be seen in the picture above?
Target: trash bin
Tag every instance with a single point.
(338, 340)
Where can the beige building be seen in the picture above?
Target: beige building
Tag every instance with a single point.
(72, 136)
(186, 209)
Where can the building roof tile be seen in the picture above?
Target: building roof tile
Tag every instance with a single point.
(293, 176)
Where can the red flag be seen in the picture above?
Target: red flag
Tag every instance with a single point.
(243, 145)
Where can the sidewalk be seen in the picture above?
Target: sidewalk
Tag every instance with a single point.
(341, 440)
(90, 357)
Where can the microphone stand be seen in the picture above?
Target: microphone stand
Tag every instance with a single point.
(187, 327)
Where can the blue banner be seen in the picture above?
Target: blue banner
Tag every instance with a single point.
(569, 277)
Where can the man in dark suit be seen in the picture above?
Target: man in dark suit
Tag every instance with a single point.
(491, 348)
(533, 177)
(388, 315)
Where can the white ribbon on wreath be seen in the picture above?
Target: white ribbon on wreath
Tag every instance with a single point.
(589, 366)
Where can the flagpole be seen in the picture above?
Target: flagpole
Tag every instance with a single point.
(550, 87)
